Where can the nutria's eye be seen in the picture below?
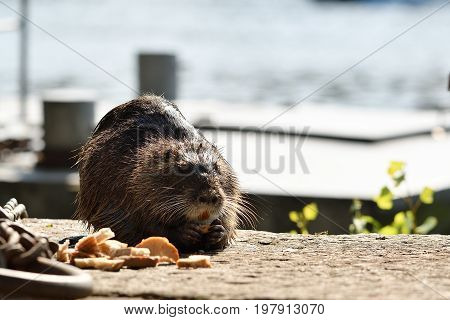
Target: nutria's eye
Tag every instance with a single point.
(215, 167)
(185, 168)
(202, 169)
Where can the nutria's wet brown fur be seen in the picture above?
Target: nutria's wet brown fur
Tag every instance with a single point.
(147, 172)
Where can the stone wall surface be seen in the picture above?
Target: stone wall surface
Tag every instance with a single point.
(263, 265)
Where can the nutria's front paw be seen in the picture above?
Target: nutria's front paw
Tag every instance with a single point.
(188, 237)
(215, 236)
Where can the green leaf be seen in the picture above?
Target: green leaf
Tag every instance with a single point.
(358, 229)
(427, 225)
(384, 199)
(371, 220)
(396, 171)
(399, 219)
(293, 232)
(388, 230)
(358, 225)
(361, 224)
(294, 217)
(404, 222)
(395, 167)
(310, 211)
(356, 206)
(427, 195)
(399, 179)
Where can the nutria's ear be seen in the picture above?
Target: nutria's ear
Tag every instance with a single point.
(106, 122)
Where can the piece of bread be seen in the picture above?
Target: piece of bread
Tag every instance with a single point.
(204, 228)
(110, 247)
(62, 254)
(138, 262)
(103, 234)
(195, 261)
(131, 251)
(88, 245)
(99, 263)
(75, 254)
(140, 252)
(160, 246)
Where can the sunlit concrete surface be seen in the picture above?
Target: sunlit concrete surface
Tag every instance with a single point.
(264, 265)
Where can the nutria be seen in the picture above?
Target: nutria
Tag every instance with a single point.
(146, 171)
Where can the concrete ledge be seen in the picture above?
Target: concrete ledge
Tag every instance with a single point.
(263, 265)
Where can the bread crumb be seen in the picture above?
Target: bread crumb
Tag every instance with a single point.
(99, 263)
(87, 244)
(195, 261)
(138, 262)
(160, 246)
(62, 254)
(103, 234)
(204, 228)
(110, 247)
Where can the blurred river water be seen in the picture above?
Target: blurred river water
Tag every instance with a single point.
(257, 51)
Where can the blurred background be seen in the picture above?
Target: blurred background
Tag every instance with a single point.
(369, 81)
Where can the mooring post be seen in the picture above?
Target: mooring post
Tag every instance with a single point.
(68, 122)
(157, 74)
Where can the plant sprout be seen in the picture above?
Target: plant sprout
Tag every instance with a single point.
(304, 217)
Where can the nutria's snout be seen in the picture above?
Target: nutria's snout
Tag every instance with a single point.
(209, 198)
(206, 204)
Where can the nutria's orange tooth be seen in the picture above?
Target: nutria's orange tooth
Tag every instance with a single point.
(204, 215)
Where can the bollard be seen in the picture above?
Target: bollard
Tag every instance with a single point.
(157, 74)
(68, 122)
